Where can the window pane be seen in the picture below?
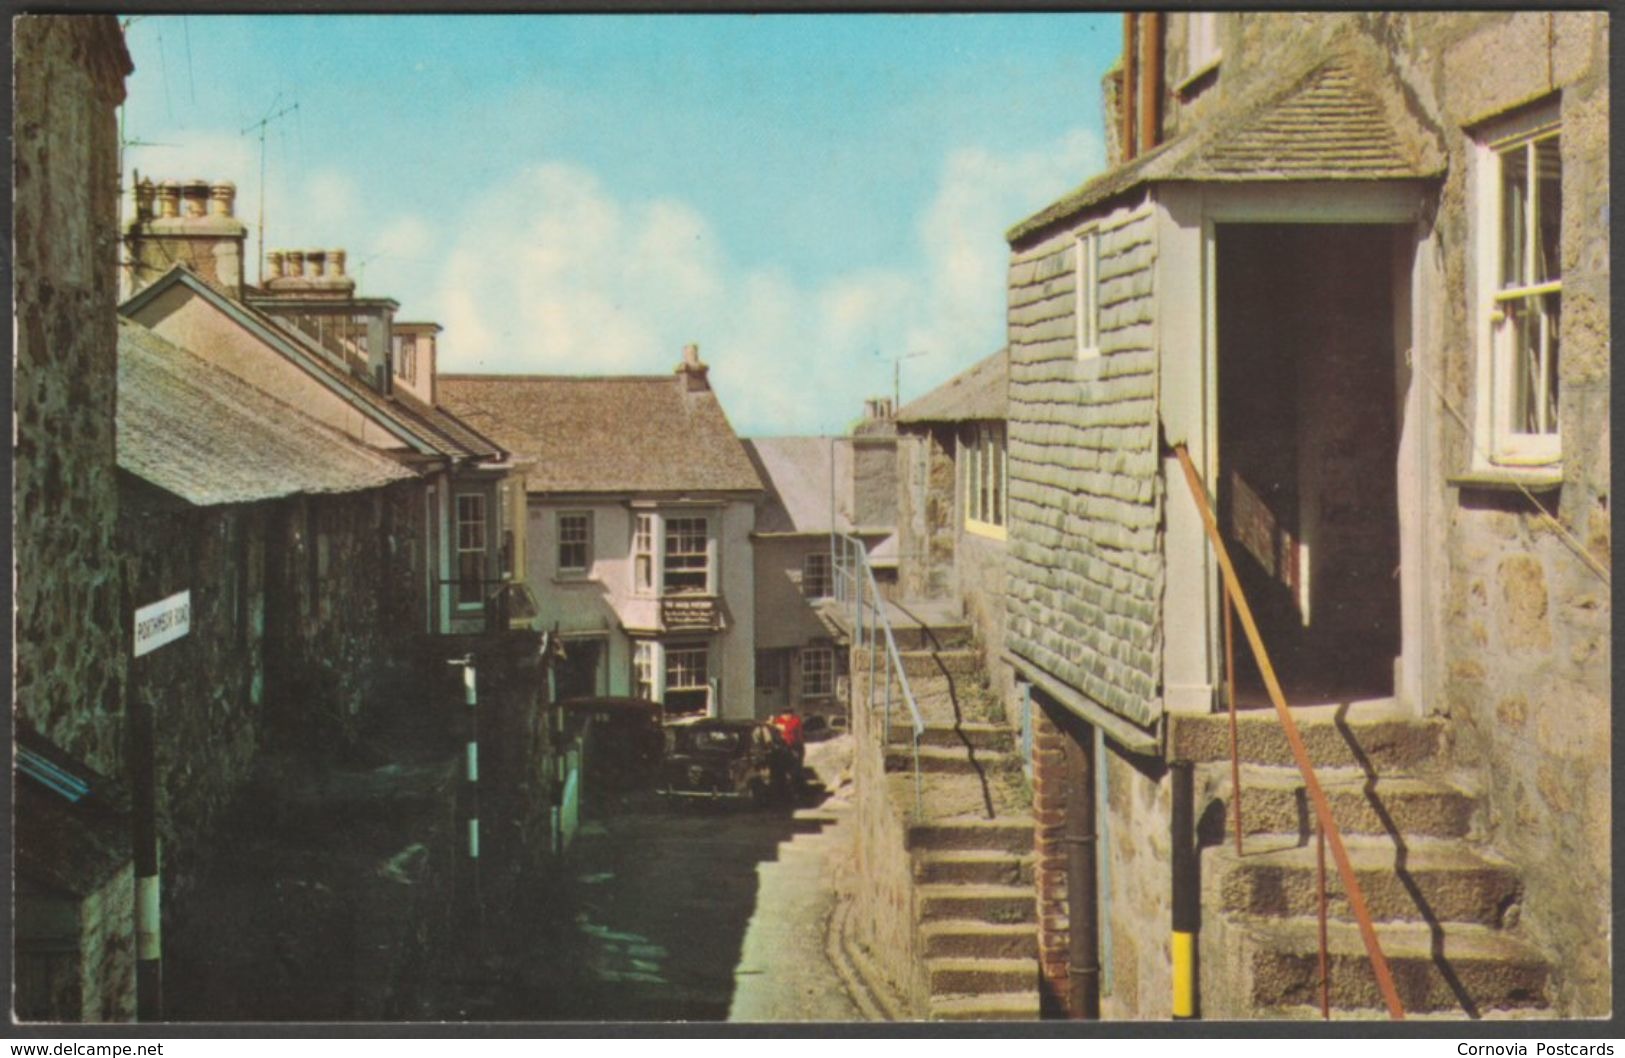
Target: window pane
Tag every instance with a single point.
(687, 563)
(1514, 199)
(817, 672)
(574, 536)
(1549, 175)
(1533, 389)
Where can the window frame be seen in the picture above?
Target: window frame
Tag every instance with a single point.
(465, 547)
(986, 496)
(645, 530)
(817, 662)
(670, 529)
(646, 664)
(573, 572)
(1202, 51)
(1501, 448)
(824, 579)
(671, 653)
(1086, 296)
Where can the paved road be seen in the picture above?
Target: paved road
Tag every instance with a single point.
(694, 912)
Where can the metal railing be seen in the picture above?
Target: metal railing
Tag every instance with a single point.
(856, 591)
(1236, 607)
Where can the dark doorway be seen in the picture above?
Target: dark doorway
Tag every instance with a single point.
(577, 674)
(1308, 443)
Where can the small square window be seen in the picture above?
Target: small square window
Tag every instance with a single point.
(1088, 294)
(575, 542)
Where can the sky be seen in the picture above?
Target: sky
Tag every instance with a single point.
(815, 200)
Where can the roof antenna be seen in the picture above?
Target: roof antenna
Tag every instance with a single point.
(260, 125)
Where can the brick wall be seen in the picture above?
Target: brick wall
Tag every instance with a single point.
(1085, 533)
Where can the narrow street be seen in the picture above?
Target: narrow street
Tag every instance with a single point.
(696, 912)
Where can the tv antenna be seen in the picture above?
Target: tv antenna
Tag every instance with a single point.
(897, 373)
(260, 125)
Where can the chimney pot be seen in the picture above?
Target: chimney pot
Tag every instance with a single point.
(317, 260)
(296, 263)
(145, 193)
(169, 199)
(196, 195)
(274, 261)
(691, 355)
(223, 199)
(335, 262)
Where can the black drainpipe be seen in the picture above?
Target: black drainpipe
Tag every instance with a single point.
(1083, 963)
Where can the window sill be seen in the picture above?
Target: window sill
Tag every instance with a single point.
(985, 529)
(1199, 79)
(1533, 479)
(573, 578)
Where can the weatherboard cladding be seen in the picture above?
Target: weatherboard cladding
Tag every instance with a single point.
(201, 433)
(632, 433)
(1085, 567)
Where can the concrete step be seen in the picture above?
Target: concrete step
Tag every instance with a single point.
(1475, 970)
(1370, 735)
(951, 976)
(999, 1006)
(974, 866)
(1005, 835)
(1274, 801)
(1434, 881)
(982, 903)
(946, 759)
(981, 735)
(968, 938)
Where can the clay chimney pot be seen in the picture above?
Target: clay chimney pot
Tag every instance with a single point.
(296, 263)
(169, 199)
(196, 195)
(335, 262)
(274, 261)
(223, 199)
(317, 260)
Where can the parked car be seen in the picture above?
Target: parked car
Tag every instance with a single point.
(725, 759)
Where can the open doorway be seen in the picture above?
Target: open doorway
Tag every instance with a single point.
(1308, 445)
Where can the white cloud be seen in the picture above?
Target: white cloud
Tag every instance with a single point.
(553, 273)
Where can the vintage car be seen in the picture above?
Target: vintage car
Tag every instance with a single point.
(622, 739)
(718, 759)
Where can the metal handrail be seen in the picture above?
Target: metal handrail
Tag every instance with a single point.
(855, 587)
(1300, 753)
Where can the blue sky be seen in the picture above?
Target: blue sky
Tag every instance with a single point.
(804, 196)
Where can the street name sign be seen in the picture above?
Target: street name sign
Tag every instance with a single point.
(162, 622)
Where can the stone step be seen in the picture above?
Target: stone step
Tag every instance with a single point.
(1375, 736)
(964, 667)
(981, 903)
(1435, 881)
(974, 866)
(999, 1006)
(1476, 970)
(950, 976)
(932, 637)
(1005, 835)
(1274, 801)
(946, 759)
(968, 938)
(981, 735)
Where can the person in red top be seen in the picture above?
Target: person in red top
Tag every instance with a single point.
(789, 725)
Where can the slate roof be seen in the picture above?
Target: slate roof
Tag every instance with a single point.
(429, 429)
(201, 433)
(977, 394)
(796, 471)
(1342, 119)
(619, 434)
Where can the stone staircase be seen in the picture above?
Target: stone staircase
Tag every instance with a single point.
(1445, 907)
(970, 842)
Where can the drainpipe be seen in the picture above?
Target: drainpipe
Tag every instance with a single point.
(1083, 958)
(149, 967)
(1129, 92)
(1186, 915)
(1150, 79)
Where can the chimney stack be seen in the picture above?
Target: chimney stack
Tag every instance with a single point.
(693, 371)
(191, 223)
(316, 273)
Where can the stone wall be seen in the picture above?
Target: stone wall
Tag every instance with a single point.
(1085, 521)
(883, 912)
(1050, 870)
(70, 630)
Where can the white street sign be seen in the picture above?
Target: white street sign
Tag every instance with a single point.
(162, 622)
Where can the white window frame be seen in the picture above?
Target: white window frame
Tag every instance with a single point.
(646, 663)
(667, 554)
(987, 479)
(472, 538)
(645, 531)
(585, 543)
(406, 357)
(817, 672)
(672, 664)
(1201, 44)
(1087, 296)
(811, 578)
(1500, 446)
